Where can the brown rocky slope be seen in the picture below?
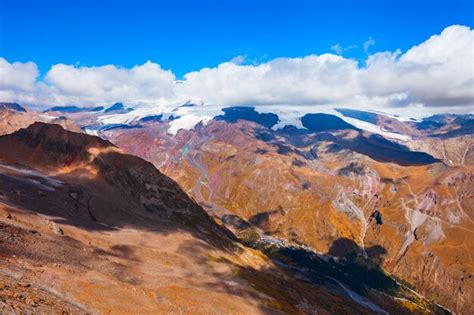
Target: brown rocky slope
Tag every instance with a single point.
(85, 228)
(315, 188)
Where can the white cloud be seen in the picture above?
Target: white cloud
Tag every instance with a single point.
(17, 75)
(437, 74)
(366, 45)
(337, 48)
(16, 78)
(308, 80)
(105, 84)
(238, 60)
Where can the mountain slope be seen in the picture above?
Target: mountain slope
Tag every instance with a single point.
(87, 228)
(315, 188)
(14, 117)
(407, 196)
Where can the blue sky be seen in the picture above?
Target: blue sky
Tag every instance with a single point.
(404, 57)
(189, 35)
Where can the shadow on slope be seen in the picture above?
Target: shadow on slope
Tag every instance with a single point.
(96, 187)
(383, 150)
(323, 122)
(374, 146)
(233, 114)
(345, 262)
(348, 269)
(359, 114)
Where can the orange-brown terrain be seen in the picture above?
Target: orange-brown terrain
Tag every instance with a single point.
(316, 188)
(237, 157)
(85, 228)
(331, 207)
(14, 117)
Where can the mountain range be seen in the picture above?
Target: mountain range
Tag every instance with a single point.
(341, 211)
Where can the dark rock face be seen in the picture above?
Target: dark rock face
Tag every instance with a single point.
(233, 114)
(383, 150)
(377, 216)
(461, 127)
(429, 125)
(12, 106)
(152, 118)
(75, 109)
(115, 107)
(373, 145)
(360, 115)
(446, 118)
(235, 221)
(322, 122)
(118, 108)
(446, 126)
(102, 128)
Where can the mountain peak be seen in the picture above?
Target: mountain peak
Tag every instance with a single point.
(56, 132)
(114, 107)
(74, 109)
(42, 144)
(13, 106)
(89, 160)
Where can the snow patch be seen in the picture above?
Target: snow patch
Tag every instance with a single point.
(190, 114)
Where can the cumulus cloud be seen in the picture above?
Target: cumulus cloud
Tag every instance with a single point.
(309, 80)
(437, 74)
(85, 86)
(17, 79)
(105, 84)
